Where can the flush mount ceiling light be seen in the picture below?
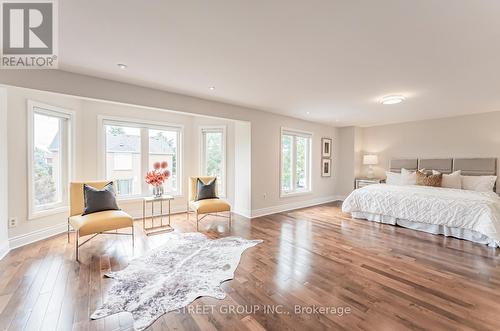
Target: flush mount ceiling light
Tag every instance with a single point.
(122, 66)
(211, 88)
(392, 99)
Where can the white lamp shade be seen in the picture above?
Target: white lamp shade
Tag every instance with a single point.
(370, 159)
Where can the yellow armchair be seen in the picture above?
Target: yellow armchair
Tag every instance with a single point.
(95, 223)
(207, 206)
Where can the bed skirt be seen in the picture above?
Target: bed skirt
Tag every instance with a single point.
(429, 228)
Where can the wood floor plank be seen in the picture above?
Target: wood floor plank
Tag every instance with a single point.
(389, 278)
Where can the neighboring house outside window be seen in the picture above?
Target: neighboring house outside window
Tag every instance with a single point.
(123, 157)
(132, 148)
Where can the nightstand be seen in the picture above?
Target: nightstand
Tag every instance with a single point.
(362, 182)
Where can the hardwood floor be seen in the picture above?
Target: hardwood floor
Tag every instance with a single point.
(390, 278)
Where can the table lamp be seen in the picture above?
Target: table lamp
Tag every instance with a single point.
(370, 160)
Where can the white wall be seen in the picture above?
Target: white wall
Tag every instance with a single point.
(464, 136)
(243, 171)
(265, 144)
(4, 242)
(348, 159)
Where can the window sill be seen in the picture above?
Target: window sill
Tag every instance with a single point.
(294, 194)
(48, 212)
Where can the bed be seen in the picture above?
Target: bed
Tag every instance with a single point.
(464, 214)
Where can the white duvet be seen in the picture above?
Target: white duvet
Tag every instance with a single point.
(477, 211)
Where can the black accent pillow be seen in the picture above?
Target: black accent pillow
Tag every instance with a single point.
(206, 191)
(99, 200)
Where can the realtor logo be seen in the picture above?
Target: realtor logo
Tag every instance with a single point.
(28, 34)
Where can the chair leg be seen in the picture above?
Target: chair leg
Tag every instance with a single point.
(76, 244)
(197, 221)
(230, 219)
(187, 211)
(68, 231)
(133, 238)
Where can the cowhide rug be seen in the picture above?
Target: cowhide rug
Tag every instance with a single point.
(172, 276)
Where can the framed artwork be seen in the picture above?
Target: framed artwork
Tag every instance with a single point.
(326, 167)
(326, 147)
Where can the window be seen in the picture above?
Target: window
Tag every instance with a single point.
(124, 186)
(295, 162)
(49, 130)
(123, 157)
(213, 155)
(131, 149)
(122, 161)
(163, 146)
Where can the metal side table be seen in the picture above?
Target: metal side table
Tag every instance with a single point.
(156, 229)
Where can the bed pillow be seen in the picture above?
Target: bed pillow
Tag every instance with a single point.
(429, 179)
(452, 180)
(479, 183)
(392, 178)
(99, 200)
(406, 177)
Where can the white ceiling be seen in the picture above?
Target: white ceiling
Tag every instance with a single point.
(331, 58)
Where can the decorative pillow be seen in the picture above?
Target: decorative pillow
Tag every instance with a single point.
(392, 178)
(99, 200)
(452, 180)
(479, 183)
(206, 191)
(429, 180)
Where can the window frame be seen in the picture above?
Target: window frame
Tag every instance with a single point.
(202, 158)
(102, 121)
(295, 133)
(35, 107)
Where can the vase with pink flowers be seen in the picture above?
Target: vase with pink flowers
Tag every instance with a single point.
(157, 177)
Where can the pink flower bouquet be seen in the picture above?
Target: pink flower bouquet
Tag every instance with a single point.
(158, 175)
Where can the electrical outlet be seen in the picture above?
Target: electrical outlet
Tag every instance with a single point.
(12, 222)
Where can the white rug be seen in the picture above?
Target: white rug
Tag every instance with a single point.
(172, 276)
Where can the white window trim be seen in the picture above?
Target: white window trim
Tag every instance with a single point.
(214, 128)
(50, 110)
(103, 120)
(300, 133)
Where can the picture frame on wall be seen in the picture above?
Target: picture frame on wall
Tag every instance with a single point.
(326, 147)
(326, 167)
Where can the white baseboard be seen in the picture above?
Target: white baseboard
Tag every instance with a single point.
(294, 205)
(245, 213)
(45, 233)
(37, 235)
(4, 249)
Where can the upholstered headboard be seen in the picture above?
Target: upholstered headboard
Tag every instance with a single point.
(468, 166)
(444, 166)
(476, 166)
(397, 164)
